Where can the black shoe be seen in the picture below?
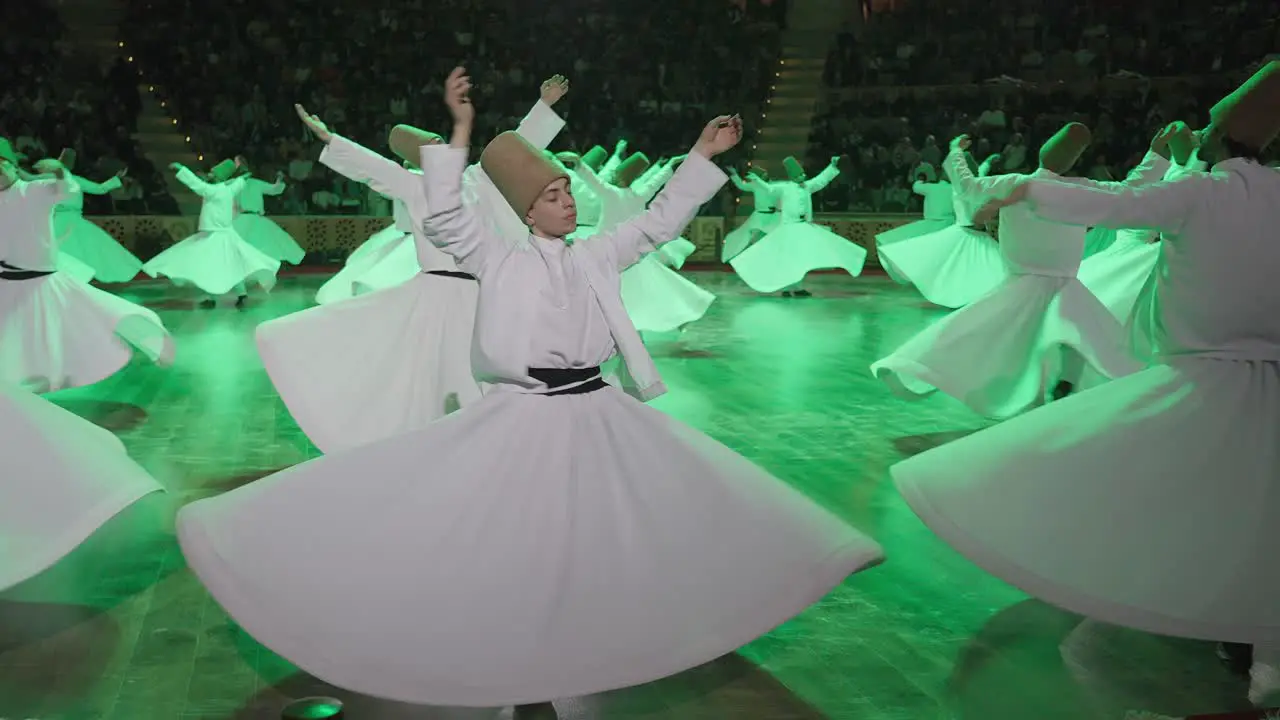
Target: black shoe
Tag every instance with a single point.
(803, 293)
(1238, 657)
(786, 293)
(1062, 389)
(241, 300)
(208, 303)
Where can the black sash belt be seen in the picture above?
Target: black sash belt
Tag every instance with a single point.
(250, 212)
(560, 377)
(767, 212)
(9, 272)
(450, 273)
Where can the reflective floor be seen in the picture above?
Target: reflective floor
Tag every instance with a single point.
(122, 630)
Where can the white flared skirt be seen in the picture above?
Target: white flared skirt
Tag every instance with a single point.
(217, 262)
(906, 232)
(1148, 502)
(57, 332)
(1004, 352)
(370, 254)
(951, 267)
(63, 478)
(263, 233)
(674, 253)
(524, 549)
(91, 245)
(384, 363)
(740, 238)
(1098, 240)
(658, 299)
(783, 257)
(73, 268)
(1118, 275)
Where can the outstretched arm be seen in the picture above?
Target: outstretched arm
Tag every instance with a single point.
(90, 187)
(272, 189)
(542, 124)
(737, 181)
(610, 168)
(1164, 206)
(695, 183)
(962, 177)
(452, 226)
(356, 162)
(192, 181)
(824, 178)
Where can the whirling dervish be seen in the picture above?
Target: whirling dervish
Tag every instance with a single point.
(57, 332)
(780, 260)
(259, 230)
(557, 538)
(1149, 502)
(85, 241)
(658, 299)
(1033, 337)
(764, 215)
(953, 266)
(216, 260)
(397, 358)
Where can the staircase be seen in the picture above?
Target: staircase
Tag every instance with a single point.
(812, 26)
(93, 27)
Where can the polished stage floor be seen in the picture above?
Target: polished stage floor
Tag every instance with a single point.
(122, 630)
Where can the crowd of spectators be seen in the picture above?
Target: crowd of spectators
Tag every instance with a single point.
(233, 71)
(54, 96)
(1011, 76)
(928, 42)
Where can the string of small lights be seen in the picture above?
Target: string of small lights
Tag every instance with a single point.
(151, 88)
(764, 113)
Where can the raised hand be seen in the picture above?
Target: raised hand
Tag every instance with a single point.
(1160, 143)
(457, 95)
(719, 135)
(175, 166)
(122, 172)
(961, 143)
(314, 124)
(554, 88)
(279, 176)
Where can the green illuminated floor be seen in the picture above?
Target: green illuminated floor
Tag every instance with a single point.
(122, 630)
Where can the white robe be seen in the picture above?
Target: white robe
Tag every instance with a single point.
(86, 242)
(215, 259)
(397, 358)
(57, 331)
(1003, 354)
(797, 246)
(1148, 502)
(259, 230)
(529, 547)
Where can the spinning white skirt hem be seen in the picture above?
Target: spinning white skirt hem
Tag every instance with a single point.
(57, 332)
(524, 549)
(64, 479)
(263, 233)
(217, 262)
(906, 232)
(1146, 503)
(1001, 354)
(351, 281)
(658, 299)
(739, 239)
(783, 257)
(93, 246)
(1118, 276)
(951, 267)
(377, 365)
